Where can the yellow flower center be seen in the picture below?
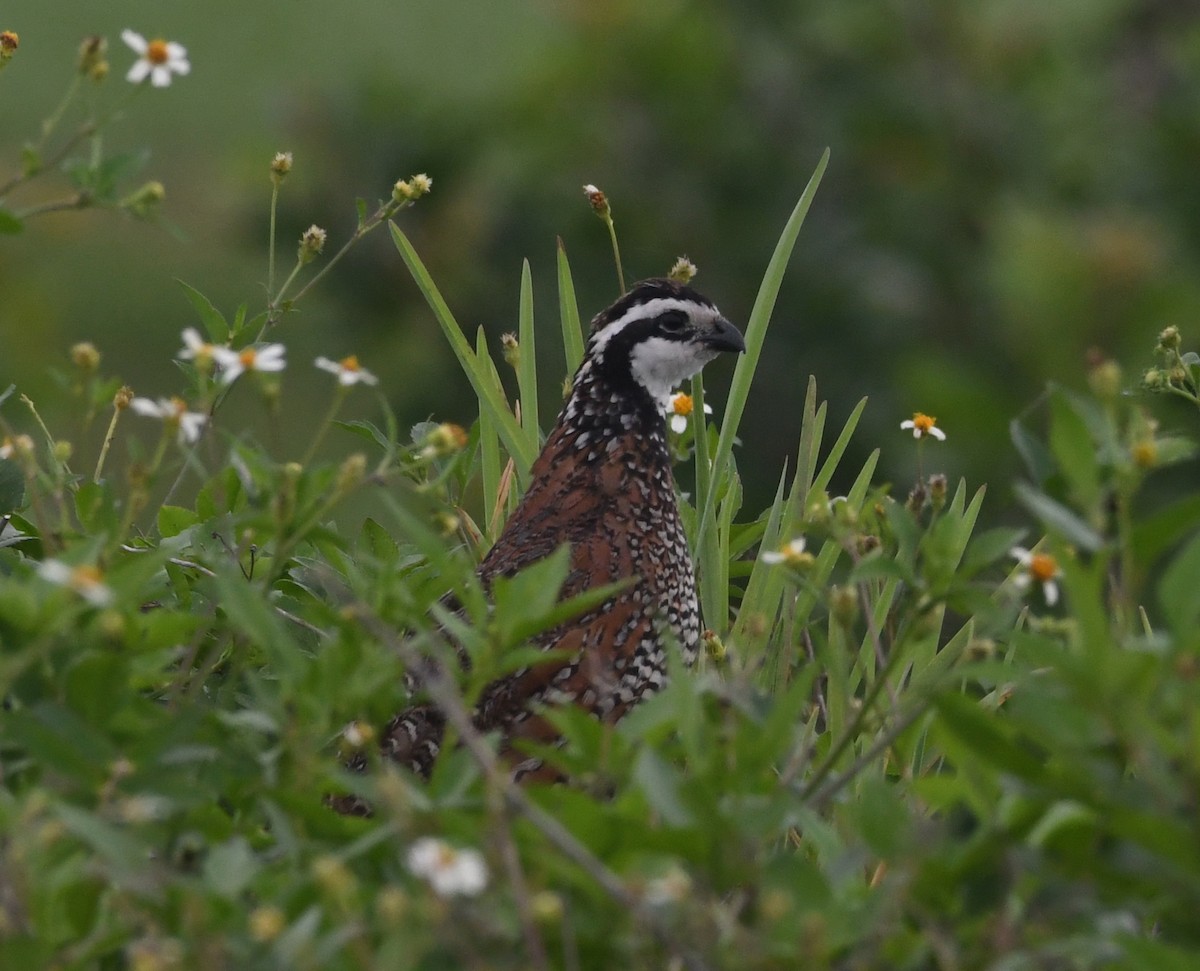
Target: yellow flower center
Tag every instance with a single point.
(682, 404)
(350, 363)
(156, 52)
(85, 577)
(248, 357)
(923, 423)
(1043, 567)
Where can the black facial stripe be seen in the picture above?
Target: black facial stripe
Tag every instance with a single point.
(644, 292)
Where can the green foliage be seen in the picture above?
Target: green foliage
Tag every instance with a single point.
(892, 753)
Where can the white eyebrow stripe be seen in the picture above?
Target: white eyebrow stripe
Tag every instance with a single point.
(643, 311)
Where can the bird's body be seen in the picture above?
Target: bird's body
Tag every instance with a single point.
(602, 485)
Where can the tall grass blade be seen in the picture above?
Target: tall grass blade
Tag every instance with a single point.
(527, 362)
(568, 312)
(756, 332)
(514, 438)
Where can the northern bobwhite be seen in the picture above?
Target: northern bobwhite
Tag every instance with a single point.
(603, 485)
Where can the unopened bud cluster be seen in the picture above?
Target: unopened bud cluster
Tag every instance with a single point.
(412, 189)
(92, 62)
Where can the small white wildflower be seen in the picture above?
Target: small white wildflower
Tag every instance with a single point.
(922, 425)
(85, 579)
(268, 357)
(196, 348)
(680, 407)
(449, 871)
(1039, 568)
(348, 370)
(157, 58)
(792, 553)
(174, 413)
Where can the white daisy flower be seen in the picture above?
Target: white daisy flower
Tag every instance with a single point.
(922, 425)
(348, 370)
(679, 407)
(174, 412)
(1039, 568)
(268, 357)
(85, 579)
(792, 553)
(157, 58)
(196, 348)
(449, 871)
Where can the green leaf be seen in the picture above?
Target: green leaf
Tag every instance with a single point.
(173, 520)
(1037, 457)
(95, 506)
(982, 732)
(9, 223)
(1073, 448)
(213, 320)
(1059, 519)
(1177, 591)
(12, 487)
(229, 867)
(988, 547)
(367, 430)
(660, 782)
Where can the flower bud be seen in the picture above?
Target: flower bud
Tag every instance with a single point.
(10, 40)
(683, 271)
(1168, 339)
(123, 397)
(281, 165)
(1105, 380)
(598, 201)
(843, 605)
(85, 357)
(91, 57)
(511, 350)
(266, 923)
(311, 244)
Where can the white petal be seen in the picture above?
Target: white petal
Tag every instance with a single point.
(325, 364)
(907, 424)
(176, 52)
(160, 76)
(134, 40)
(144, 406)
(54, 570)
(679, 424)
(137, 73)
(937, 433)
(1021, 555)
(1050, 592)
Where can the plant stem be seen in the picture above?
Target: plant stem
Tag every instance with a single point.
(271, 238)
(108, 439)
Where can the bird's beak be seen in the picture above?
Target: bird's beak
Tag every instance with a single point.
(724, 337)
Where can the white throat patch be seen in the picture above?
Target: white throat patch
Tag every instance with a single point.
(660, 365)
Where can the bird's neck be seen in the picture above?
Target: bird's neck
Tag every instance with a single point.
(600, 411)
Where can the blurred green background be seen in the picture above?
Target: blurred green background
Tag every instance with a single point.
(1012, 184)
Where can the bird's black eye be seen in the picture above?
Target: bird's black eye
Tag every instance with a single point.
(672, 321)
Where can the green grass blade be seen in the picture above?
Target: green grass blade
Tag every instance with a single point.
(839, 448)
(477, 371)
(491, 464)
(527, 363)
(568, 312)
(756, 332)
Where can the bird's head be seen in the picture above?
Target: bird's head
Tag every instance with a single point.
(658, 334)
